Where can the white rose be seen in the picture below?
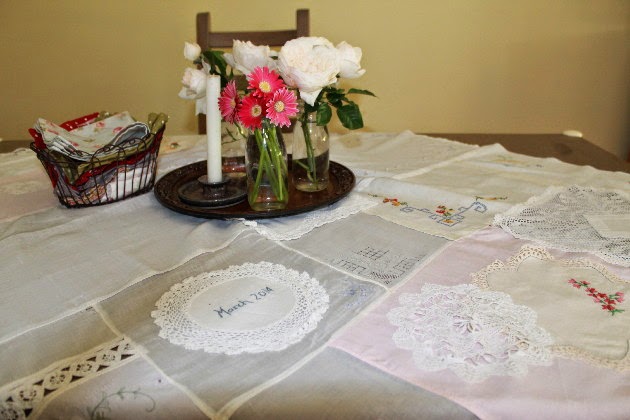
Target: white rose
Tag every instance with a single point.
(195, 81)
(192, 51)
(309, 64)
(350, 61)
(246, 56)
(200, 99)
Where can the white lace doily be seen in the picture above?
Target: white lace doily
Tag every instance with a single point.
(558, 219)
(474, 333)
(288, 228)
(249, 308)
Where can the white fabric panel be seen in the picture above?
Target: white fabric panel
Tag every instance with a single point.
(66, 338)
(335, 385)
(125, 242)
(135, 390)
(385, 253)
(228, 376)
(387, 154)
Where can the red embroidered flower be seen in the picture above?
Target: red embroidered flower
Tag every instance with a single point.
(574, 283)
(607, 302)
(394, 202)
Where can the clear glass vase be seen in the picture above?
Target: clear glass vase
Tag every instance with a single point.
(233, 141)
(310, 154)
(267, 170)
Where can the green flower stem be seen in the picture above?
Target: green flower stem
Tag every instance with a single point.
(233, 136)
(279, 162)
(270, 154)
(311, 170)
(261, 161)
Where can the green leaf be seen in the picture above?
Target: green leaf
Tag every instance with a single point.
(324, 114)
(310, 108)
(350, 116)
(361, 92)
(217, 63)
(335, 97)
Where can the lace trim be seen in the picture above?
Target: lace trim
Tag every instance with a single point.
(576, 353)
(179, 326)
(287, 229)
(480, 279)
(474, 333)
(557, 219)
(31, 394)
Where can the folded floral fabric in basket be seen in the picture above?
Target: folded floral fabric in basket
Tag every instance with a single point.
(99, 173)
(88, 141)
(113, 183)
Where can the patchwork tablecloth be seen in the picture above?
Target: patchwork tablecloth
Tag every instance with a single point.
(455, 281)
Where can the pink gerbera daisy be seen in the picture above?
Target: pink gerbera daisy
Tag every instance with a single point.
(264, 82)
(251, 112)
(282, 105)
(229, 101)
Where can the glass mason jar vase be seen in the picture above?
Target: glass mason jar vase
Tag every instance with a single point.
(267, 170)
(310, 153)
(233, 141)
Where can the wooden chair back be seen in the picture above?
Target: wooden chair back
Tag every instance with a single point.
(207, 39)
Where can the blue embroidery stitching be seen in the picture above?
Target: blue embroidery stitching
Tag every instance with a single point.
(449, 219)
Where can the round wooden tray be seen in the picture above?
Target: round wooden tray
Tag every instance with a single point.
(341, 182)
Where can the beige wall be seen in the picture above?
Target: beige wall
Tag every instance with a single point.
(437, 66)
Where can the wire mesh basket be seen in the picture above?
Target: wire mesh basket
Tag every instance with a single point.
(112, 174)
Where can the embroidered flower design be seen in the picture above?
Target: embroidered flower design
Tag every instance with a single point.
(394, 202)
(444, 211)
(490, 198)
(607, 302)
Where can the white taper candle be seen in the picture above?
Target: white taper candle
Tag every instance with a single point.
(213, 128)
